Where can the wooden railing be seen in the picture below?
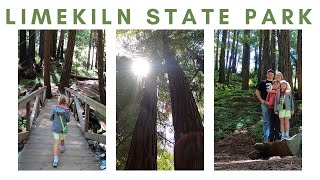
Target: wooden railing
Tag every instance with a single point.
(77, 110)
(25, 101)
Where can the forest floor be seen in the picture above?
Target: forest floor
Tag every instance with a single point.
(232, 153)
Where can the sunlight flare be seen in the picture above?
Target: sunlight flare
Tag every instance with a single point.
(140, 67)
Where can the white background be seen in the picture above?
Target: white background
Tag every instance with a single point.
(9, 77)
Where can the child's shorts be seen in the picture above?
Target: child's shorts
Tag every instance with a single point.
(285, 114)
(58, 136)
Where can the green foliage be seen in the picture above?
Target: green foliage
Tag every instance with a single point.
(21, 122)
(165, 160)
(256, 131)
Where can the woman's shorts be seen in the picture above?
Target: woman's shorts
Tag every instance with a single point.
(58, 136)
(285, 114)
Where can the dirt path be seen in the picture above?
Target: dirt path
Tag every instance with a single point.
(232, 152)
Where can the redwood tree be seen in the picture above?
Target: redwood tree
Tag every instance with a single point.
(143, 149)
(299, 62)
(60, 45)
(265, 62)
(22, 46)
(188, 129)
(89, 51)
(100, 57)
(246, 60)
(65, 77)
(222, 57)
(47, 60)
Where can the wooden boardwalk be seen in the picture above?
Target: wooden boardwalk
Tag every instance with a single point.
(37, 153)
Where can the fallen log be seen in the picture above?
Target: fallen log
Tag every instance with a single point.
(290, 147)
(83, 77)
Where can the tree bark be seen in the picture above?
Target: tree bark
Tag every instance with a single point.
(222, 57)
(284, 59)
(188, 129)
(41, 46)
(246, 61)
(100, 57)
(60, 45)
(143, 149)
(217, 49)
(23, 46)
(299, 64)
(228, 49)
(234, 62)
(265, 65)
(54, 44)
(65, 77)
(89, 51)
(47, 60)
(260, 55)
(273, 50)
(232, 54)
(29, 72)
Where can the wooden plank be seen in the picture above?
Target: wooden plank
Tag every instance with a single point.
(79, 112)
(35, 110)
(50, 147)
(96, 137)
(25, 99)
(28, 123)
(36, 141)
(93, 104)
(23, 136)
(86, 117)
(62, 158)
(62, 166)
(41, 152)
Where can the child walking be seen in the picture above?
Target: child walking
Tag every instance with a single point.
(284, 107)
(274, 134)
(60, 115)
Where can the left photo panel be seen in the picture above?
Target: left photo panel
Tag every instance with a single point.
(61, 100)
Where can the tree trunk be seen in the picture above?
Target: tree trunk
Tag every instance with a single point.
(188, 129)
(222, 57)
(93, 47)
(29, 71)
(265, 65)
(54, 44)
(41, 46)
(299, 64)
(47, 60)
(232, 54)
(228, 49)
(260, 55)
(280, 47)
(100, 57)
(246, 61)
(23, 47)
(143, 149)
(217, 49)
(273, 50)
(60, 45)
(65, 77)
(234, 62)
(284, 50)
(90, 41)
(256, 59)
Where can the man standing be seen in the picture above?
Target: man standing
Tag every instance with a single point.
(262, 90)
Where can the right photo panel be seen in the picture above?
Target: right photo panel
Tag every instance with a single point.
(258, 100)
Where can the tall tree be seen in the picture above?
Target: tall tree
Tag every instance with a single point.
(246, 60)
(232, 54)
(22, 46)
(89, 51)
(256, 59)
(188, 129)
(93, 46)
(54, 43)
(60, 45)
(299, 64)
(284, 56)
(265, 64)
(29, 71)
(222, 57)
(41, 45)
(100, 58)
(228, 49)
(260, 54)
(217, 49)
(65, 77)
(143, 149)
(273, 50)
(234, 61)
(47, 60)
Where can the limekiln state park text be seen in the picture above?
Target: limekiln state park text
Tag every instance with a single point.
(152, 16)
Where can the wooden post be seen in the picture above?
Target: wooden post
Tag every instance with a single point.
(86, 117)
(28, 113)
(79, 112)
(44, 96)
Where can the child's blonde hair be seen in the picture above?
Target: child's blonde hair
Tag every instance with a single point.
(62, 99)
(279, 73)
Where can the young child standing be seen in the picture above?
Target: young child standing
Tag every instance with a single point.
(273, 118)
(285, 110)
(60, 113)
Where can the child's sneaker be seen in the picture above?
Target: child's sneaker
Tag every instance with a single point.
(62, 149)
(55, 163)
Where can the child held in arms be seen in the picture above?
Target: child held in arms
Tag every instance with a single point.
(274, 134)
(60, 115)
